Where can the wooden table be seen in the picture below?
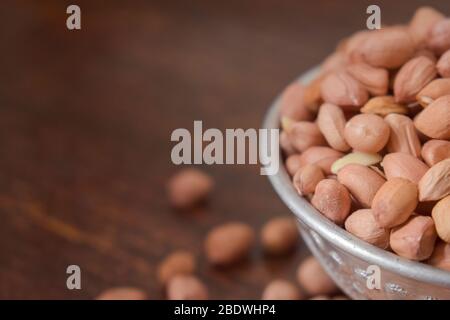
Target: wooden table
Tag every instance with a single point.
(85, 124)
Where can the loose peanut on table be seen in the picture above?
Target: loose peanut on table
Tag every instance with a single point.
(228, 243)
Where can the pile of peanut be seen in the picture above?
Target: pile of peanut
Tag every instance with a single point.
(367, 142)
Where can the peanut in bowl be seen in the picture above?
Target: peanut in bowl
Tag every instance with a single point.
(348, 259)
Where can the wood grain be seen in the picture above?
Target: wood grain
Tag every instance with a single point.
(85, 123)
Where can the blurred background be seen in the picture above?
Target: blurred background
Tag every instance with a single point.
(85, 124)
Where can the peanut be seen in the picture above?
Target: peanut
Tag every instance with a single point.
(412, 78)
(367, 133)
(307, 178)
(362, 158)
(435, 183)
(403, 136)
(189, 187)
(303, 135)
(281, 290)
(179, 262)
(362, 224)
(403, 165)
(331, 122)
(441, 217)
(434, 120)
(394, 202)
(432, 91)
(341, 89)
(293, 163)
(438, 39)
(362, 182)
(186, 287)
(443, 65)
(434, 151)
(332, 199)
(414, 239)
(229, 243)
(292, 105)
(279, 236)
(122, 293)
(441, 256)
(313, 278)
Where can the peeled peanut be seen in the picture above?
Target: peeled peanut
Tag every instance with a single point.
(394, 202)
(434, 120)
(422, 22)
(413, 77)
(321, 156)
(331, 122)
(375, 80)
(229, 243)
(441, 217)
(403, 137)
(293, 163)
(281, 290)
(414, 239)
(432, 91)
(178, 262)
(441, 256)
(292, 105)
(362, 182)
(362, 224)
(341, 89)
(304, 134)
(384, 105)
(122, 293)
(189, 187)
(186, 287)
(443, 65)
(307, 178)
(438, 39)
(367, 133)
(279, 235)
(403, 165)
(332, 199)
(362, 158)
(314, 279)
(434, 151)
(435, 183)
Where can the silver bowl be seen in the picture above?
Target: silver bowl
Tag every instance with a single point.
(347, 258)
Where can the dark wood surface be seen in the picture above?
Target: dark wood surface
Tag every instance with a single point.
(85, 123)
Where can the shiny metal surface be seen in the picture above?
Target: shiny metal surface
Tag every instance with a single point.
(345, 257)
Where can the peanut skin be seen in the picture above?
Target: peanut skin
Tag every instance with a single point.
(367, 133)
(279, 236)
(123, 293)
(307, 178)
(441, 218)
(394, 202)
(362, 182)
(229, 243)
(414, 239)
(362, 224)
(186, 287)
(281, 290)
(313, 278)
(178, 262)
(333, 200)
